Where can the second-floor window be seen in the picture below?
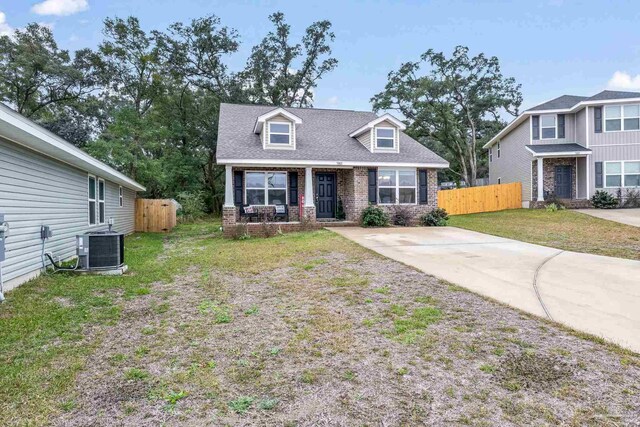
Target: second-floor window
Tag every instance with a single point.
(385, 137)
(490, 155)
(621, 118)
(279, 133)
(548, 126)
(498, 150)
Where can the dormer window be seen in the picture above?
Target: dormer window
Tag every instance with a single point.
(385, 137)
(279, 133)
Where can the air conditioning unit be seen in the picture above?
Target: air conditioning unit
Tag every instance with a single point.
(101, 250)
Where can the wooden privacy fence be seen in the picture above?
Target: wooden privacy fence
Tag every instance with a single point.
(489, 198)
(155, 215)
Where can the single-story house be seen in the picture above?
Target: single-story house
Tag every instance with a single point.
(45, 180)
(314, 162)
(570, 147)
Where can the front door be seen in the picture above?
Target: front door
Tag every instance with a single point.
(564, 182)
(325, 195)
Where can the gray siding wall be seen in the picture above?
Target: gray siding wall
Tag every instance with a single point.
(580, 127)
(514, 164)
(36, 190)
(611, 138)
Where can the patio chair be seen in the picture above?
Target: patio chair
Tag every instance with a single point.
(281, 213)
(249, 213)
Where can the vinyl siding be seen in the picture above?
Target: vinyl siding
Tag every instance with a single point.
(365, 139)
(514, 164)
(36, 190)
(569, 132)
(610, 153)
(611, 138)
(580, 127)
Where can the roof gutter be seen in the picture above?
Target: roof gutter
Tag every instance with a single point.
(24, 132)
(325, 163)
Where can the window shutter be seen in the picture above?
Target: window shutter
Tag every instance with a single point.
(535, 127)
(372, 185)
(293, 188)
(560, 125)
(597, 119)
(237, 188)
(423, 194)
(598, 174)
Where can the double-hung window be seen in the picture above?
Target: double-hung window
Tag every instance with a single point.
(279, 133)
(120, 197)
(101, 194)
(548, 126)
(396, 187)
(622, 174)
(92, 199)
(385, 138)
(621, 117)
(266, 188)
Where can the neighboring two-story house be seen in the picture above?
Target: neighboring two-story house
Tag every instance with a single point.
(311, 160)
(570, 147)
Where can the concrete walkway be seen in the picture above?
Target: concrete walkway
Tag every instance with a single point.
(591, 293)
(624, 216)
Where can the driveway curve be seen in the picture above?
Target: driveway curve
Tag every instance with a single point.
(591, 293)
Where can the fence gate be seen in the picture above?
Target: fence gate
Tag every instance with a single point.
(489, 198)
(155, 215)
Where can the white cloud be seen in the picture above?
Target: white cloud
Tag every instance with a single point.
(623, 80)
(5, 29)
(60, 7)
(333, 101)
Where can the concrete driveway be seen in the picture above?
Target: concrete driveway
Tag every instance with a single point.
(591, 293)
(624, 216)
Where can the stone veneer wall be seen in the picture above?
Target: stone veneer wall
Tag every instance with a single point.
(549, 175)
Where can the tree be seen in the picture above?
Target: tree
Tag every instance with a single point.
(280, 73)
(457, 103)
(36, 76)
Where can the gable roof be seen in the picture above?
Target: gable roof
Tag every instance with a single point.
(274, 113)
(566, 104)
(368, 126)
(22, 131)
(322, 139)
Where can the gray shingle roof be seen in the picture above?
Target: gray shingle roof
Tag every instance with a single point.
(556, 148)
(322, 136)
(613, 94)
(561, 102)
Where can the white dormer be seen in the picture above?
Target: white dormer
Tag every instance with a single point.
(381, 135)
(277, 129)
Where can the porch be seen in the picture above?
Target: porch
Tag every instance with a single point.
(560, 172)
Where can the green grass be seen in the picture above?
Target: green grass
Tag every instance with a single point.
(567, 229)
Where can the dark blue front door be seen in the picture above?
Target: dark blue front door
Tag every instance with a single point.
(563, 181)
(325, 195)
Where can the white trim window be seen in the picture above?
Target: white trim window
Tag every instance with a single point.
(490, 154)
(279, 133)
(548, 126)
(385, 138)
(619, 118)
(265, 188)
(397, 186)
(120, 196)
(91, 196)
(102, 189)
(622, 174)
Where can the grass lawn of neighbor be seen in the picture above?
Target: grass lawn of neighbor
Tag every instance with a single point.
(298, 330)
(566, 229)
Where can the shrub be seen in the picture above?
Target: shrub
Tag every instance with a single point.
(402, 216)
(552, 207)
(374, 216)
(603, 200)
(340, 213)
(239, 231)
(438, 217)
(192, 205)
(631, 199)
(552, 199)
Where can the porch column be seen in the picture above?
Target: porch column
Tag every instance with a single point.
(228, 187)
(308, 188)
(540, 180)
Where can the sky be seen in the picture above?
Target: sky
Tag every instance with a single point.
(551, 47)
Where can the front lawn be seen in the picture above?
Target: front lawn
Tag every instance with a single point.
(300, 329)
(567, 229)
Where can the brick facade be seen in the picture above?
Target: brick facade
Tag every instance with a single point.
(549, 175)
(351, 189)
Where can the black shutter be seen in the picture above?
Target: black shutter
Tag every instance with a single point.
(293, 188)
(560, 125)
(535, 127)
(373, 177)
(423, 194)
(237, 188)
(598, 174)
(597, 119)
